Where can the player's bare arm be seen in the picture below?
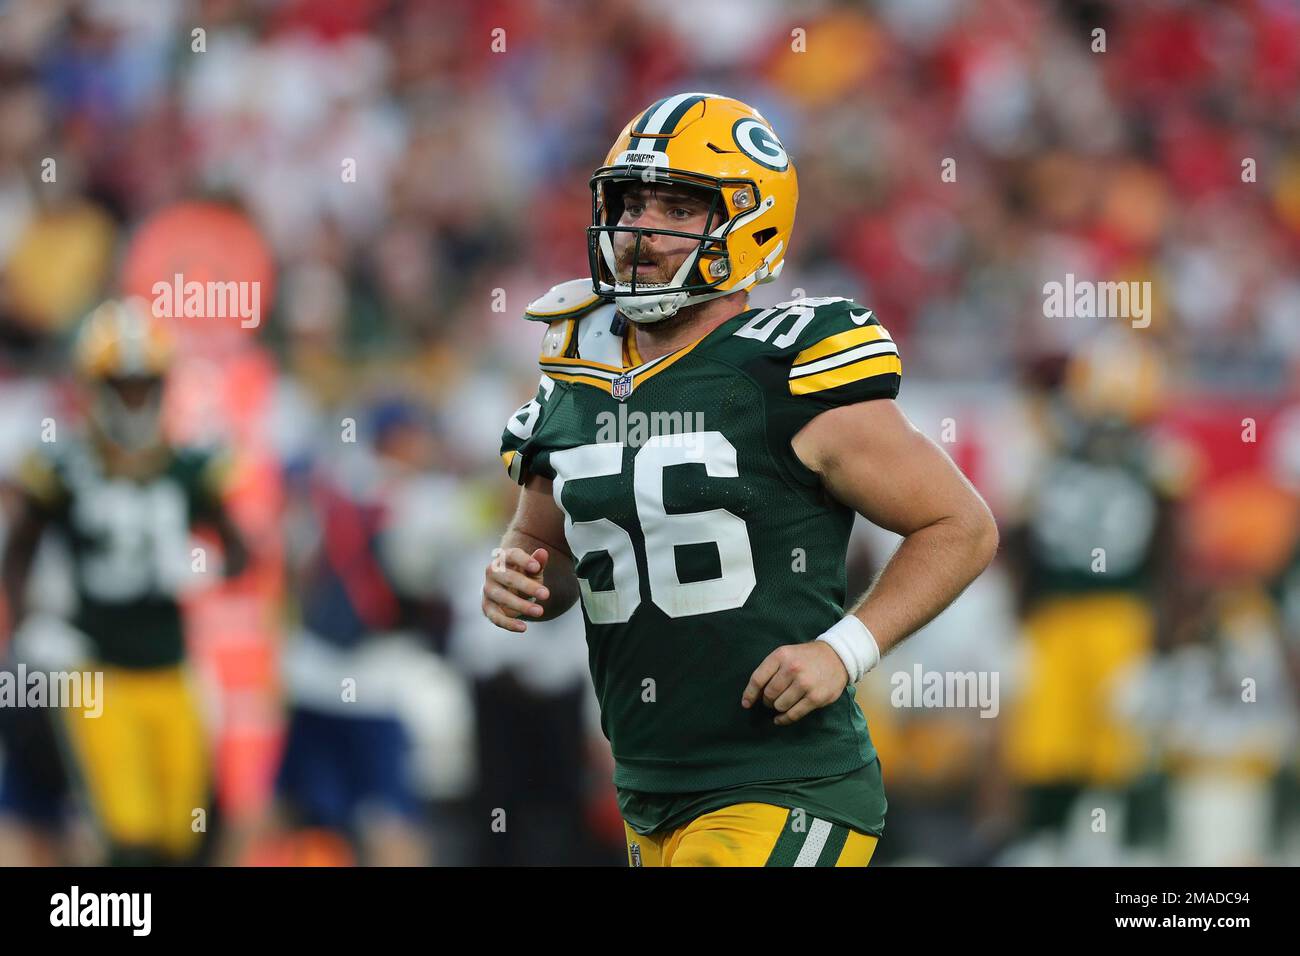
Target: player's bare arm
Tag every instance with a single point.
(531, 575)
(872, 459)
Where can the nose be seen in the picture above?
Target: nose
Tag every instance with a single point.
(648, 219)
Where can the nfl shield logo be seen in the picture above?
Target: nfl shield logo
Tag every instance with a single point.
(634, 852)
(621, 387)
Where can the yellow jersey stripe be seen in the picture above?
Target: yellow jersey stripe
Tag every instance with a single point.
(513, 464)
(847, 357)
(661, 363)
(667, 361)
(577, 365)
(842, 340)
(844, 374)
(580, 363)
(585, 379)
(38, 478)
(633, 357)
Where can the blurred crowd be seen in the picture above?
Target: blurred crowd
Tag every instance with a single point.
(416, 172)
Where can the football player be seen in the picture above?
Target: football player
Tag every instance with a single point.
(124, 500)
(1093, 553)
(690, 467)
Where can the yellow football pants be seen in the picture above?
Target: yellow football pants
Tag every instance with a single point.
(1064, 727)
(144, 760)
(752, 834)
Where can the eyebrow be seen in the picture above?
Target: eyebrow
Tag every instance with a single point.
(667, 195)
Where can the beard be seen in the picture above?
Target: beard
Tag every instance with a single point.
(625, 268)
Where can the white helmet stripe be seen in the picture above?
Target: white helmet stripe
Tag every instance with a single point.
(644, 138)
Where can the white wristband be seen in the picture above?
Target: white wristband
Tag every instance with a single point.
(855, 644)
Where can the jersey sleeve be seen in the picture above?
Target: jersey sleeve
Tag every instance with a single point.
(39, 478)
(205, 474)
(213, 479)
(813, 355)
(841, 357)
(520, 442)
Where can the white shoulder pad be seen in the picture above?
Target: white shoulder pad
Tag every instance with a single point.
(564, 301)
(597, 341)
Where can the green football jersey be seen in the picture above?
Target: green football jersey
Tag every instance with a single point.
(701, 542)
(1092, 526)
(855, 800)
(129, 541)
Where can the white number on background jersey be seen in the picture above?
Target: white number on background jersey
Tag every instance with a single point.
(140, 539)
(1083, 507)
(663, 532)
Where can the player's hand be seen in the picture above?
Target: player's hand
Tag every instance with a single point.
(513, 587)
(797, 679)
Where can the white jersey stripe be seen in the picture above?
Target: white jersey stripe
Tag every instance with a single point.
(883, 347)
(577, 369)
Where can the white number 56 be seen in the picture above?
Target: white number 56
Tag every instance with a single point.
(663, 532)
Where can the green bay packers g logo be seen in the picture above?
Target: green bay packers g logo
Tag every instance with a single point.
(760, 144)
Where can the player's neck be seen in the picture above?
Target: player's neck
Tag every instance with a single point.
(686, 326)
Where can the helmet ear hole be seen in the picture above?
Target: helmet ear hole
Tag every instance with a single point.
(764, 235)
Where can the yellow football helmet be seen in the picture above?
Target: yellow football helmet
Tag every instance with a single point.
(712, 143)
(121, 339)
(1117, 375)
(123, 354)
